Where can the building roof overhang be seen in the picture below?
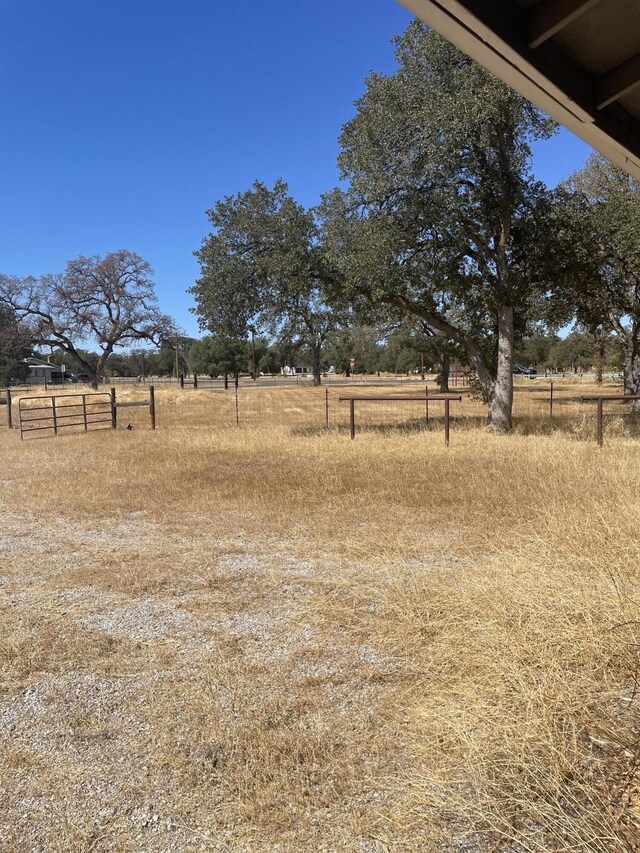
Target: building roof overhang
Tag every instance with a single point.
(578, 60)
(38, 362)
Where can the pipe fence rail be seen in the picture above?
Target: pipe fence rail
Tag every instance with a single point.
(447, 399)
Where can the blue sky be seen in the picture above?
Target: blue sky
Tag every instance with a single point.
(122, 122)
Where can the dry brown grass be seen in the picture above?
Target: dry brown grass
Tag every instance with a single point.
(227, 639)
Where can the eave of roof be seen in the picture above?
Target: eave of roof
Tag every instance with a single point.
(550, 79)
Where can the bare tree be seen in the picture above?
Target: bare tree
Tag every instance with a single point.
(108, 301)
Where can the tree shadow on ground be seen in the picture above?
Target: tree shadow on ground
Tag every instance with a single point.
(580, 426)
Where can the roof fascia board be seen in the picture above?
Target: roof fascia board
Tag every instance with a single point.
(457, 24)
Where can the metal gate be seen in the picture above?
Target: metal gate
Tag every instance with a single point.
(93, 411)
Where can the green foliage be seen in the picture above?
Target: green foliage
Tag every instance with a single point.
(534, 350)
(213, 356)
(442, 218)
(609, 219)
(14, 347)
(264, 269)
(361, 343)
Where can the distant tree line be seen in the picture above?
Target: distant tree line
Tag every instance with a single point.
(374, 350)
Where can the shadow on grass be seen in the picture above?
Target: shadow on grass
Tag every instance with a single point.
(580, 427)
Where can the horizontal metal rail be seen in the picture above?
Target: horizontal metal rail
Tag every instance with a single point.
(63, 426)
(63, 417)
(68, 406)
(68, 396)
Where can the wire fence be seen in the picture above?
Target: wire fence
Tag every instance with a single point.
(539, 405)
(275, 380)
(305, 408)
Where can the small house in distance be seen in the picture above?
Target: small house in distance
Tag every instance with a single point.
(41, 372)
(295, 369)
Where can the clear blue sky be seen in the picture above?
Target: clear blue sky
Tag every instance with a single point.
(122, 122)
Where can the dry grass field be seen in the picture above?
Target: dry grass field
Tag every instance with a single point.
(272, 638)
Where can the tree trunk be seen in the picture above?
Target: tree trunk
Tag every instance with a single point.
(601, 357)
(632, 368)
(443, 378)
(501, 392)
(317, 372)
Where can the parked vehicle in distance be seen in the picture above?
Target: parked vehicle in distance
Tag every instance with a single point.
(521, 370)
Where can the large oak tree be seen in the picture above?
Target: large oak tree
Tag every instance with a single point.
(609, 222)
(264, 269)
(442, 218)
(15, 340)
(108, 301)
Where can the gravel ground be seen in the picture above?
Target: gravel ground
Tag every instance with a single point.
(119, 641)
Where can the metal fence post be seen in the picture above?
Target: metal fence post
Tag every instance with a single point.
(426, 394)
(195, 381)
(326, 407)
(446, 423)
(152, 406)
(551, 401)
(182, 380)
(84, 412)
(599, 422)
(237, 409)
(53, 413)
(9, 413)
(114, 411)
(352, 417)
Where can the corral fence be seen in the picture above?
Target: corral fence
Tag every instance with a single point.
(600, 399)
(52, 414)
(402, 398)
(539, 406)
